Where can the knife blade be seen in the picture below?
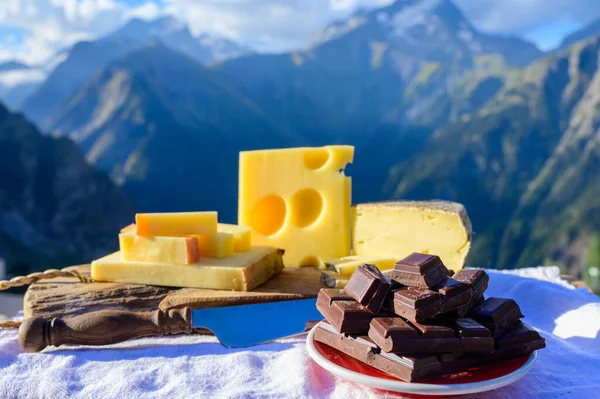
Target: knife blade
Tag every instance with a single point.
(234, 326)
(248, 325)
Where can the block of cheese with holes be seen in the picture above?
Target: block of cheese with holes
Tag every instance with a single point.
(178, 250)
(298, 199)
(241, 272)
(397, 229)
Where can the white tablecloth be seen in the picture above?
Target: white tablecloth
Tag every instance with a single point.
(198, 367)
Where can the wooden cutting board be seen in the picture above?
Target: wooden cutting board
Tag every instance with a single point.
(63, 297)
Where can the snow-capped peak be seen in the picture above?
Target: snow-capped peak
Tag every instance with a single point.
(410, 15)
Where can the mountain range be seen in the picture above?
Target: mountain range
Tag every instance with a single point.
(524, 165)
(434, 107)
(55, 209)
(86, 58)
(361, 82)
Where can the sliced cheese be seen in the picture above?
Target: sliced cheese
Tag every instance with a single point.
(177, 224)
(241, 272)
(241, 235)
(334, 280)
(348, 264)
(178, 250)
(218, 245)
(397, 229)
(298, 199)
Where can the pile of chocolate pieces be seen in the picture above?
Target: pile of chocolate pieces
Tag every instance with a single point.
(420, 322)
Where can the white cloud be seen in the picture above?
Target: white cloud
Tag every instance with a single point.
(522, 17)
(147, 11)
(51, 25)
(267, 25)
(11, 79)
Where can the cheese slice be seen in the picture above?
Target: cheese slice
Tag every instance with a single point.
(298, 199)
(218, 245)
(241, 235)
(347, 265)
(179, 250)
(176, 224)
(241, 272)
(334, 280)
(397, 229)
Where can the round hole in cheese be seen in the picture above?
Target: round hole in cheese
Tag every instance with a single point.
(310, 261)
(268, 215)
(306, 207)
(316, 158)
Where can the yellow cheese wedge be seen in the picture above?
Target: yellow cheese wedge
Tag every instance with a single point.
(132, 228)
(218, 245)
(176, 224)
(241, 272)
(179, 250)
(335, 280)
(241, 235)
(347, 265)
(298, 199)
(397, 229)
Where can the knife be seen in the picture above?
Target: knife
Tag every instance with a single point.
(234, 326)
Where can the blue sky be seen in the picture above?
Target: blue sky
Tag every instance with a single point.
(34, 30)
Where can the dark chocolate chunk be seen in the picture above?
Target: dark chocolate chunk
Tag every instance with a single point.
(454, 362)
(463, 310)
(497, 314)
(454, 294)
(478, 280)
(519, 340)
(414, 304)
(441, 338)
(420, 270)
(474, 338)
(343, 312)
(333, 294)
(363, 349)
(369, 287)
(392, 334)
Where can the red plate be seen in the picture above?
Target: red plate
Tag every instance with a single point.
(477, 379)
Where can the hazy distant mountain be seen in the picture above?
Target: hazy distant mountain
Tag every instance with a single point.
(17, 81)
(87, 58)
(526, 166)
(590, 30)
(13, 66)
(417, 61)
(168, 130)
(432, 30)
(54, 208)
(15, 96)
(222, 49)
(176, 35)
